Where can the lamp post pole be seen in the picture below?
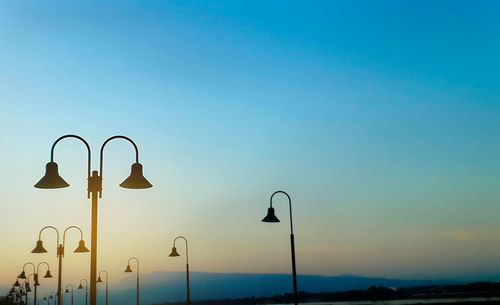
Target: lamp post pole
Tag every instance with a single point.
(99, 280)
(52, 180)
(271, 217)
(60, 253)
(128, 269)
(174, 254)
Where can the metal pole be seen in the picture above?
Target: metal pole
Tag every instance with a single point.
(60, 250)
(187, 279)
(106, 289)
(35, 286)
(295, 295)
(95, 185)
(137, 284)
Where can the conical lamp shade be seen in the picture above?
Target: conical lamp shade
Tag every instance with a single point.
(39, 248)
(81, 247)
(136, 180)
(22, 275)
(99, 280)
(28, 289)
(51, 180)
(174, 252)
(67, 291)
(80, 287)
(16, 284)
(128, 269)
(270, 217)
(48, 275)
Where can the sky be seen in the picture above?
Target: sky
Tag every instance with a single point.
(381, 119)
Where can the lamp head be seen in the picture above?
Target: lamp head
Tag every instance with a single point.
(22, 275)
(270, 217)
(67, 291)
(99, 280)
(16, 284)
(81, 247)
(39, 247)
(136, 180)
(51, 296)
(48, 275)
(51, 179)
(174, 252)
(80, 287)
(128, 269)
(36, 283)
(28, 288)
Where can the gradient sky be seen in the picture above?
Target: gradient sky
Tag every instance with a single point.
(380, 118)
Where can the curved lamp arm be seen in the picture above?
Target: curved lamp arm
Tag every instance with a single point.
(290, 204)
(106, 274)
(76, 137)
(71, 227)
(29, 263)
(71, 287)
(86, 283)
(137, 262)
(187, 255)
(117, 137)
(38, 266)
(57, 231)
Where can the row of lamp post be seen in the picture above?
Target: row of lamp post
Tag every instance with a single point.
(136, 180)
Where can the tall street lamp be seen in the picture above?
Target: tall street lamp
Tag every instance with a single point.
(67, 291)
(271, 217)
(60, 252)
(52, 180)
(128, 269)
(174, 254)
(99, 280)
(86, 289)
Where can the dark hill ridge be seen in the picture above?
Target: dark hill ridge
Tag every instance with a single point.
(159, 287)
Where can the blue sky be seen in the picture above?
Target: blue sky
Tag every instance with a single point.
(380, 118)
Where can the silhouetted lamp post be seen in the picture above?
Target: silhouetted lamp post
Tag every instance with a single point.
(174, 254)
(52, 180)
(60, 252)
(271, 217)
(67, 291)
(36, 283)
(128, 269)
(99, 280)
(86, 289)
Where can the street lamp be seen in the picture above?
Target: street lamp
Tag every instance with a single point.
(36, 283)
(52, 180)
(271, 217)
(99, 280)
(86, 289)
(60, 252)
(67, 291)
(128, 269)
(52, 294)
(174, 254)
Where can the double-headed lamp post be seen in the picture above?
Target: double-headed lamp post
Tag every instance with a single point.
(86, 289)
(174, 254)
(52, 180)
(271, 217)
(99, 280)
(67, 291)
(128, 269)
(35, 277)
(60, 252)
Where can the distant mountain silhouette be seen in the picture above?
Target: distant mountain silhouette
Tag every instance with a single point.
(159, 287)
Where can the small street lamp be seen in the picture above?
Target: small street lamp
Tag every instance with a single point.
(128, 269)
(271, 217)
(175, 254)
(67, 291)
(86, 289)
(99, 280)
(60, 252)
